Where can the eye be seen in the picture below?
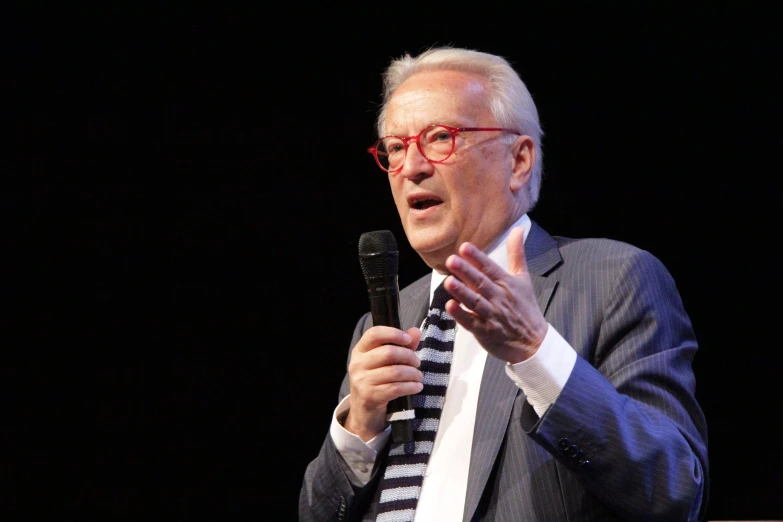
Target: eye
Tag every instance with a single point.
(437, 135)
(393, 145)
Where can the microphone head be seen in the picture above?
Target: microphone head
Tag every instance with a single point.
(378, 254)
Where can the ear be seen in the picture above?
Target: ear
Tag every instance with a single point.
(523, 157)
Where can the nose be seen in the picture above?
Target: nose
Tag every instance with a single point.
(415, 164)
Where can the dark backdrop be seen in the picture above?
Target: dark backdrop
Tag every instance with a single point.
(183, 193)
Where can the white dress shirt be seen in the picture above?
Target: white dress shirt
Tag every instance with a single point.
(541, 377)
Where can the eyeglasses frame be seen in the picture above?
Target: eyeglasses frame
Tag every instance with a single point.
(452, 130)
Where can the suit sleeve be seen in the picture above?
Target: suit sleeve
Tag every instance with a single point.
(327, 492)
(627, 421)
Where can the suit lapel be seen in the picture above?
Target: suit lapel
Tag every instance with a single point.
(414, 303)
(498, 392)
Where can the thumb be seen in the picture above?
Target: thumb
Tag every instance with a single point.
(516, 251)
(415, 334)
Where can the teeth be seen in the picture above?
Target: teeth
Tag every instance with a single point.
(420, 203)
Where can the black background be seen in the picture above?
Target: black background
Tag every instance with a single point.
(183, 193)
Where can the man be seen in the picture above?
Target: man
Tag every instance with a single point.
(570, 392)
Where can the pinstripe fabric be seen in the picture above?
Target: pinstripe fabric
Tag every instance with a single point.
(627, 412)
(404, 475)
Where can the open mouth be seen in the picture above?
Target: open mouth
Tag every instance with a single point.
(424, 202)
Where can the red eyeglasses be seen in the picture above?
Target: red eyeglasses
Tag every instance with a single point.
(436, 143)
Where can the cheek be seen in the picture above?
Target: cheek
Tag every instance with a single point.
(477, 194)
(468, 185)
(397, 194)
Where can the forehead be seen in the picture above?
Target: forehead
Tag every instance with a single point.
(439, 97)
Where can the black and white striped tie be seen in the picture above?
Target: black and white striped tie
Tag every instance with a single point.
(402, 480)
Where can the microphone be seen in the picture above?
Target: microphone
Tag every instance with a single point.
(379, 259)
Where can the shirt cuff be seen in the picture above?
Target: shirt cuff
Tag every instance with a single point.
(543, 376)
(359, 455)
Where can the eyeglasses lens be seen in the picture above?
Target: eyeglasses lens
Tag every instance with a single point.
(436, 142)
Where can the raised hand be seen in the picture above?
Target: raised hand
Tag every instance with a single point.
(499, 308)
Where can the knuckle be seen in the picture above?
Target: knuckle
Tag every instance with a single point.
(353, 365)
(389, 353)
(378, 334)
(372, 335)
(401, 388)
(397, 373)
(394, 390)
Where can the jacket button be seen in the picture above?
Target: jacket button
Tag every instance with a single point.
(584, 462)
(571, 450)
(563, 443)
(341, 509)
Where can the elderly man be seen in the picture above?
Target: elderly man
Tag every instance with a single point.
(551, 377)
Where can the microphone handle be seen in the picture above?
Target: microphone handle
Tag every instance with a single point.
(384, 307)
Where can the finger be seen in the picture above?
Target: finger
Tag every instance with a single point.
(464, 295)
(471, 276)
(465, 318)
(389, 355)
(395, 374)
(517, 263)
(476, 257)
(394, 390)
(381, 335)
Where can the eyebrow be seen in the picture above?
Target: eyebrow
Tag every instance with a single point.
(450, 123)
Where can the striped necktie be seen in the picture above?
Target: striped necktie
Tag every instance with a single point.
(404, 474)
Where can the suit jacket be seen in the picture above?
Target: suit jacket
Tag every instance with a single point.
(626, 438)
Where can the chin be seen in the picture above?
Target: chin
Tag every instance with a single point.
(432, 245)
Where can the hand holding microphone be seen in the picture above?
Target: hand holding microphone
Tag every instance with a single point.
(383, 367)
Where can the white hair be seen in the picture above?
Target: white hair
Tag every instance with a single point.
(509, 100)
